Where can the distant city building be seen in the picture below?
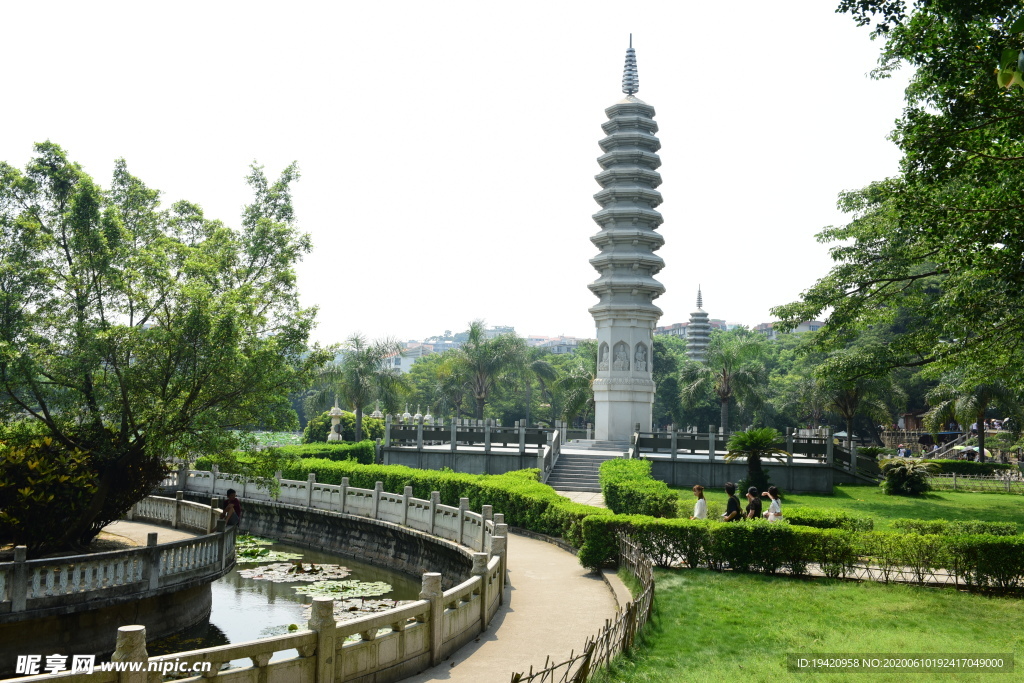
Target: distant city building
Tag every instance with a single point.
(413, 352)
(560, 345)
(768, 329)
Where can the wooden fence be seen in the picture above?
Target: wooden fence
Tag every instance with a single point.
(617, 635)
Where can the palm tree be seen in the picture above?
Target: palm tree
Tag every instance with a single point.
(486, 363)
(958, 397)
(365, 374)
(753, 445)
(731, 370)
(539, 368)
(873, 397)
(575, 388)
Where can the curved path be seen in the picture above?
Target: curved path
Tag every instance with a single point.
(552, 604)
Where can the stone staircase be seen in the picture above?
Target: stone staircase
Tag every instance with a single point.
(578, 472)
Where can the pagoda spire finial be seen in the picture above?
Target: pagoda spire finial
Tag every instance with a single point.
(700, 304)
(630, 78)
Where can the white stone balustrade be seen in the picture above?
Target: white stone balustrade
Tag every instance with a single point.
(27, 585)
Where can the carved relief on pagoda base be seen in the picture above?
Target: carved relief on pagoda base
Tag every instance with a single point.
(624, 381)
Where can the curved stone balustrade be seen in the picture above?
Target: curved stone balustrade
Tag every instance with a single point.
(382, 647)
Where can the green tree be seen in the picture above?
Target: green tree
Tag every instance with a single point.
(966, 400)
(876, 398)
(364, 375)
(755, 445)
(135, 334)
(486, 363)
(667, 359)
(731, 371)
(574, 389)
(940, 244)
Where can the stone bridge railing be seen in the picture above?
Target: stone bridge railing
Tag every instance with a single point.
(33, 588)
(381, 647)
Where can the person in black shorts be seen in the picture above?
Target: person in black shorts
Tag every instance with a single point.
(732, 507)
(232, 514)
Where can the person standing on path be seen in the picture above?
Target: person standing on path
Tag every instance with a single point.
(700, 508)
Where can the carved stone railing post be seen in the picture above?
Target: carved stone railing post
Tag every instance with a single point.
(675, 442)
(711, 443)
(463, 509)
(480, 570)
(406, 497)
(455, 433)
(310, 482)
(487, 436)
(211, 522)
(378, 488)
(431, 591)
(153, 560)
(435, 500)
(387, 431)
(19, 579)
(486, 512)
(522, 438)
(321, 620)
(178, 499)
(499, 546)
(131, 647)
(344, 492)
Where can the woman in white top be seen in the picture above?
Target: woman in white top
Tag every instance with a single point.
(700, 509)
(774, 513)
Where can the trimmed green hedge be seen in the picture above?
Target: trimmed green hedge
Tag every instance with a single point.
(954, 528)
(827, 519)
(967, 467)
(985, 561)
(629, 489)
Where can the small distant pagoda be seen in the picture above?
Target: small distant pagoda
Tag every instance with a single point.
(698, 332)
(626, 315)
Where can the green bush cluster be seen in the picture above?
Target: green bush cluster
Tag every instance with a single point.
(954, 528)
(827, 519)
(319, 427)
(363, 451)
(629, 489)
(968, 467)
(982, 560)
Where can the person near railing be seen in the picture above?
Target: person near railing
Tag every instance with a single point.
(753, 503)
(232, 514)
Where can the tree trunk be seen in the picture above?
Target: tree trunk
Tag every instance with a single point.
(359, 423)
(480, 408)
(849, 434)
(724, 417)
(981, 436)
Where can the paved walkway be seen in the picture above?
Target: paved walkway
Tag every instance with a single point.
(137, 532)
(551, 606)
(585, 497)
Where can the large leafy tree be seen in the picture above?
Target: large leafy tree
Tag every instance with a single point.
(874, 397)
(942, 244)
(135, 334)
(966, 400)
(364, 375)
(574, 388)
(487, 363)
(732, 371)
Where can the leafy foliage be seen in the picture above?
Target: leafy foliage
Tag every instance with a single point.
(318, 428)
(629, 489)
(732, 371)
(967, 467)
(137, 334)
(345, 590)
(755, 444)
(905, 477)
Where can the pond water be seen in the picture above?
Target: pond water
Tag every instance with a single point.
(247, 609)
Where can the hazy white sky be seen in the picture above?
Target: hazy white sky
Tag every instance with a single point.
(448, 149)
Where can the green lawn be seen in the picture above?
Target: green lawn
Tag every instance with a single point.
(869, 501)
(712, 626)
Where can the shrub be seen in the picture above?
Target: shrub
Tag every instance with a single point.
(955, 528)
(319, 427)
(905, 477)
(986, 561)
(363, 452)
(875, 451)
(967, 467)
(629, 489)
(43, 486)
(827, 519)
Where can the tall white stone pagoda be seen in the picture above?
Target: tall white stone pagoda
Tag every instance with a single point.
(626, 315)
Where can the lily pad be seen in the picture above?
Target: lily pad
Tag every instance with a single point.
(346, 610)
(258, 554)
(288, 572)
(344, 590)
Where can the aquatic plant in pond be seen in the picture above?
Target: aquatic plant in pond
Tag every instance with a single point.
(253, 549)
(288, 572)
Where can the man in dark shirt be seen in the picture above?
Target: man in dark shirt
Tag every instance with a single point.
(732, 507)
(753, 503)
(232, 513)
